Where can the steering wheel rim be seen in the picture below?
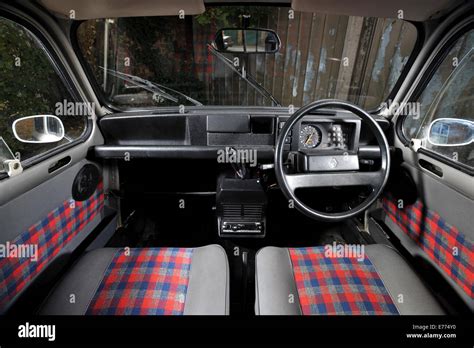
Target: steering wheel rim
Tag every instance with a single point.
(376, 180)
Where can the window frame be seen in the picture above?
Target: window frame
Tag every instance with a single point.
(58, 64)
(417, 47)
(432, 64)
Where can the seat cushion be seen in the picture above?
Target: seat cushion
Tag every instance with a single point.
(308, 281)
(144, 281)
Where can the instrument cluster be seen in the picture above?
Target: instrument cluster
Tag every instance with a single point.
(326, 135)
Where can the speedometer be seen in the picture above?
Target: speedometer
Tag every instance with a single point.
(310, 137)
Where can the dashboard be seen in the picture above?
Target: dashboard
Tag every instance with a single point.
(200, 133)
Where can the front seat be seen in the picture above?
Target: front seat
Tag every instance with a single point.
(144, 281)
(304, 281)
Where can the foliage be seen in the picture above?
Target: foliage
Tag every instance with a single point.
(29, 85)
(231, 16)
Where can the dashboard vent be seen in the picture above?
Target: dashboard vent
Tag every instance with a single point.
(242, 212)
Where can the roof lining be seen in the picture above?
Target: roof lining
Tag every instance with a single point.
(92, 9)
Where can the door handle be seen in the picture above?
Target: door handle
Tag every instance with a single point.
(431, 167)
(59, 164)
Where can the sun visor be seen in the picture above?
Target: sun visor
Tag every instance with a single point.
(91, 9)
(414, 10)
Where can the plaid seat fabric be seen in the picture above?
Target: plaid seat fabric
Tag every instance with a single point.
(49, 236)
(150, 281)
(443, 243)
(338, 285)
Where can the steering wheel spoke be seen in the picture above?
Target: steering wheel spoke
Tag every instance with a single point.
(308, 180)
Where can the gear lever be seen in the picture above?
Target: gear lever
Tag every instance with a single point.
(239, 167)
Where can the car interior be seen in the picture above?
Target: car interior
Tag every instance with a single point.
(242, 158)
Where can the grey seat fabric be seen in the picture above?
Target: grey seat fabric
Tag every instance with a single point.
(277, 294)
(207, 292)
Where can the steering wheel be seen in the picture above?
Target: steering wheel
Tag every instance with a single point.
(376, 180)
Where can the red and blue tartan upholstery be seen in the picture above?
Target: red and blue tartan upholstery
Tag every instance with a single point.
(151, 281)
(50, 235)
(338, 285)
(444, 244)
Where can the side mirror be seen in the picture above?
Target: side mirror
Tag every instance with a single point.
(39, 129)
(451, 132)
(238, 40)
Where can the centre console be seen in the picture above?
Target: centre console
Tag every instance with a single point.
(241, 208)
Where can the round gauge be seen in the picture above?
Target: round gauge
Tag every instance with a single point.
(310, 137)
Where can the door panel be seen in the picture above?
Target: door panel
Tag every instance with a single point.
(51, 227)
(16, 186)
(26, 209)
(439, 226)
(39, 219)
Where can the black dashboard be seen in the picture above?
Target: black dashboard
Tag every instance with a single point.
(200, 133)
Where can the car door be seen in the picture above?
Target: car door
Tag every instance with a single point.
(51, 196)
(436, 151)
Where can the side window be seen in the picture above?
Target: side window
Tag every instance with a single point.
(445, 122)
(30, 85)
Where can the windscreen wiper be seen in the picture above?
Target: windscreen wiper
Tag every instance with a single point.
(152, 87)
(244, 75)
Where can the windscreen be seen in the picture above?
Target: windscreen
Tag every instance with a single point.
(149, 62)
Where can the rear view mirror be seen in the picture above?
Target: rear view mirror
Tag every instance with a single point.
(451, 132)
(238, 40)
(39, 129)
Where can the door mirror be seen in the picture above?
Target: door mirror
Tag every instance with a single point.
(238, 40)
(451, 132)
(39, 129)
